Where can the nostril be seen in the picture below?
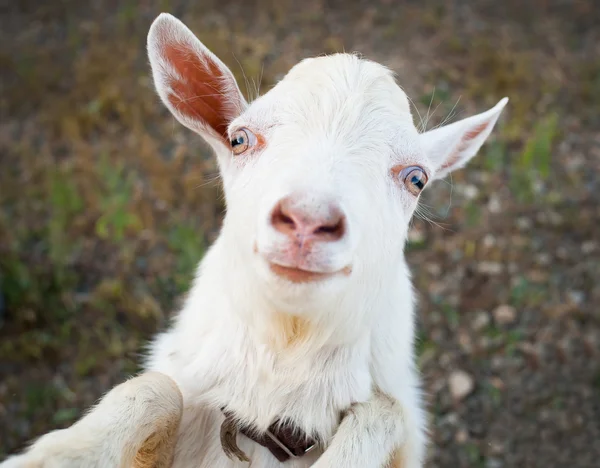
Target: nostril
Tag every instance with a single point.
(281, 220)
(332, 231)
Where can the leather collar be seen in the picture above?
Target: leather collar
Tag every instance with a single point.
(283, 440)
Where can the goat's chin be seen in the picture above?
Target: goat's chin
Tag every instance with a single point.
(304, 298)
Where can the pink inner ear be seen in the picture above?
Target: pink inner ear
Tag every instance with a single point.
(474, 133)
(200, 94)
(468, 137)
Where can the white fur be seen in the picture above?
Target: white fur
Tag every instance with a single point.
(334, 128)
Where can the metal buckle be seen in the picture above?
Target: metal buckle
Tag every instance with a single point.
(310, 448)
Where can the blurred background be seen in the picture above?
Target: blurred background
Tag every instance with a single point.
(107, 204)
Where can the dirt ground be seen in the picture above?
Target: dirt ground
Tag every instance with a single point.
(106, 205)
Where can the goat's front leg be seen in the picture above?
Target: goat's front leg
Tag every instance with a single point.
(373, 434)
(133, 426)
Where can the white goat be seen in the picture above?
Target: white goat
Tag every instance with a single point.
(302, 311)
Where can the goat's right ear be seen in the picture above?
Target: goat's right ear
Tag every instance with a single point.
(198, 89)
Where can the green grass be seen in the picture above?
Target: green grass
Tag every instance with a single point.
(494, 395)
(494, 156)
(474, 455)
(473, 213)
(424, 347)
(187, 244)
(65, 416)
(39, 396)
(534, 164)
(451, 314)
(117, 218)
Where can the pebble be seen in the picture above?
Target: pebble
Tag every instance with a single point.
(470, 192)
(504, 314)
(464, 340)
(497, 383)
(461, 436)
(481, 320)
(524, 224)
(490, 268)
(416, 236)
(538, 276)
(489, 241)
(576, 297)
(543, 259)
(493, 463)
(434, 269)
(496, 448)
(555, 218)
(588, 247)
(461, 384)
(494, 205)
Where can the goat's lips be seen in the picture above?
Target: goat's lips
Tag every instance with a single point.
(297, 275)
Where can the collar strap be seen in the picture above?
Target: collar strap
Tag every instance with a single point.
(284, 441)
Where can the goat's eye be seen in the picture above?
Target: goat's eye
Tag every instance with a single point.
(242, 140)
(414, 179)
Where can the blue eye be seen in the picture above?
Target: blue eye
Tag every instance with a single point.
(414, 179)
(239, 140)
(242, 140)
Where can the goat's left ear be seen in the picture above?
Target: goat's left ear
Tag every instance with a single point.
(450, 147)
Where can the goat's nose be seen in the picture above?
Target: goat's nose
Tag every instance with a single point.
(322, 222)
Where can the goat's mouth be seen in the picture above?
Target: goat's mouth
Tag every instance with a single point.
(299, 275)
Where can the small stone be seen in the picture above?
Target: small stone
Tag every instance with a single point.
(469, 191)
(496, 448)
(461, 436)
(489, 241)
(588, 247)
(416, 236)
(555, 218)
(538, 276)
(576, 297)
(497, 383)
(562, 253)
(490, 268)
(520, 241)
(481, 320)
(461, 384)
(543, 259)
(493, 463)
(444, 360)
(434, 269)
(437, 288)
(524, 224)
(464, 340)
(494, 205)
(504, 314)
(450, 419)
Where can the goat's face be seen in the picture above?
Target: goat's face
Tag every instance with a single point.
(323, 173)
(320, 188)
